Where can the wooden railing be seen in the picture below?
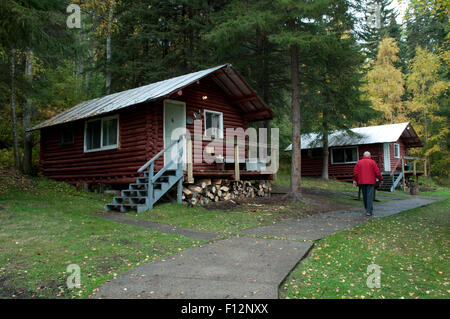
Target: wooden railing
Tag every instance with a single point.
(414, 171)
(152, 178)
(236, 158)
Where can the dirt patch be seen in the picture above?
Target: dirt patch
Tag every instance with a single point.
(315, 202)
(9, 290)
(13, 177)
(426, 189)
(239, 202)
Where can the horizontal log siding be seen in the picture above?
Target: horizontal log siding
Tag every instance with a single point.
(403, 152)
(71, 164)
(313, 167)
(216, 101)
(140, 139)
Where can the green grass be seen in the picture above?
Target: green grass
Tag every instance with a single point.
(283, 179)
(45, 226)
(410, 248)
(232, 221)
(223, 221)
(439, 191)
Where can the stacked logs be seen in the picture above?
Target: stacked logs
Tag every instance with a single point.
(205, 191)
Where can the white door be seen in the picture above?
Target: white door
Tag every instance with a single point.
(387, 157)
(174, 126)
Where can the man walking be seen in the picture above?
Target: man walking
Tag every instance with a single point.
(364, 174)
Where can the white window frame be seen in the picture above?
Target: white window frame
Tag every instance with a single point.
(220, 123)
(396, 145)
(344, 163)
(102, 148)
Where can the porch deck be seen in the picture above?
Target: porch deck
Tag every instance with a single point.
(244, 175)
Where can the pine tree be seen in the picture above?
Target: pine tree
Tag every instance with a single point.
(333, 80)
(241, 36)
(379, 22)
(427, 27)
(30, 27)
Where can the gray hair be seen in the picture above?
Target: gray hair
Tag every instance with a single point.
(367, 153)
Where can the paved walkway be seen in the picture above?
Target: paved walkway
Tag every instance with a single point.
(321, 225)
(239, 267)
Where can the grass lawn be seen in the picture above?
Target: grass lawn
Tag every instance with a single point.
(410, 248)
(255, 213)
(231, 221)
(45, 226)
(223, 221)
(283, 179)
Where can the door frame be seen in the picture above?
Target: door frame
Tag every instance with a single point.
(387, 154)
(180, 103)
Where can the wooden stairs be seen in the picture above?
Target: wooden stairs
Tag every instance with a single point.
(150, 187)
(390, 181)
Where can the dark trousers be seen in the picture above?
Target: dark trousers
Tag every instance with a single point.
(368, 192)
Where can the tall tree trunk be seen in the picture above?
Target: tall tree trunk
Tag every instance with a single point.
(295, 192)
(13, 110)
(325, 152)
(27, 114)
(108, 48)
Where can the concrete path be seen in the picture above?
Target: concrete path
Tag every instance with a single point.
(232, 268)
(321, 225)
(239, 267)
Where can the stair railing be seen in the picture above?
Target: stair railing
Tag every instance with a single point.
(396, 182)
(392, 174)
(151, 171)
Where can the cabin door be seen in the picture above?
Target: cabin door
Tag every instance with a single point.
(174, 126)
(387, 157)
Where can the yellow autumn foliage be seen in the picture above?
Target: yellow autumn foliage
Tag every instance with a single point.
(385, 83)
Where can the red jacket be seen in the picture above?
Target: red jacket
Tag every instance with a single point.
(365, 172)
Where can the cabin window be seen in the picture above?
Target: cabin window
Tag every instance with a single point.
(344, 155)
(101, 134)
(213, 124)
(396, 150)
(67, 136)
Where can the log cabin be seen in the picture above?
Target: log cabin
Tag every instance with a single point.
(133, 137)
(387, 144)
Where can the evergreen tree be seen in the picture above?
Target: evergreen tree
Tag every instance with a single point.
(163, 39)
(333, 80)
(427, 26)
(241, 36)
(379, 22)
(30, 28)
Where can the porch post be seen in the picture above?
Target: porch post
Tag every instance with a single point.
(237, 176)
(425, 167)
(179, 191)
(190, 163)
(403, 174)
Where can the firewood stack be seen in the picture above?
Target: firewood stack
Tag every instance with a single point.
(205, 191)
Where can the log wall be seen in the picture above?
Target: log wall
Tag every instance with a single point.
(313, 166)
(140, 138)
